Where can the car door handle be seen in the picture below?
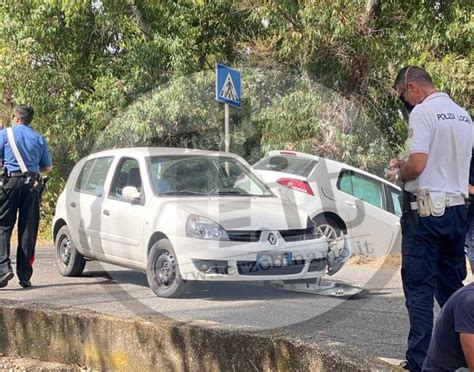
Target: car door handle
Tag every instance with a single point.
(73, 205)
(350, 203)
(106, 212)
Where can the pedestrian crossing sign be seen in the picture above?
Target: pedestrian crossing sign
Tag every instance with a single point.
(228, 87)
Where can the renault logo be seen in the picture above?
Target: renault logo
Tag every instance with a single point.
(272, 239)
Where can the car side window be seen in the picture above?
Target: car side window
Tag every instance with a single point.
(345, 182)
(394, 196)
(361, 187)
(126, 174)
(93, 174)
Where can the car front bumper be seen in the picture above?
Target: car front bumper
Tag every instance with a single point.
(242, 261)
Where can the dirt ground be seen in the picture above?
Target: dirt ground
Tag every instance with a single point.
(25, 364)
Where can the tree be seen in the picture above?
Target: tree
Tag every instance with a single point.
(84, 64)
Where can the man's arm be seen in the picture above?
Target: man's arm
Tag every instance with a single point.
(45, 163)
(467, 343)
(413, 167)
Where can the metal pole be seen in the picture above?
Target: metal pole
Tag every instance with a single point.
(227, 134)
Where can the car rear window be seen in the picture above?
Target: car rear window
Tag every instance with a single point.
(288, 164)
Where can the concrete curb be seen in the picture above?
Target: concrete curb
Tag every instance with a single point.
(95, 340)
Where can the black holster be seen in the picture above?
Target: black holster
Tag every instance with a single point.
(41, 184)
(409, 219)
(406, 199)
(4, 177)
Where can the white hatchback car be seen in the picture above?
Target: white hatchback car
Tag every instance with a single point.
(340, 198)
(183, 215)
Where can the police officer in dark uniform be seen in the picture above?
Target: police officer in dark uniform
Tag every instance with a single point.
(20, 194)
(434, 221)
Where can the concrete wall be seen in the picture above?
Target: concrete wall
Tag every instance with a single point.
(95, 340)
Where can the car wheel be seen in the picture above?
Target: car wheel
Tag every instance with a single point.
(68, 260)
(162, 271)
(328, 227)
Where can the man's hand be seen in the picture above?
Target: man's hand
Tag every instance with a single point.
(392, 174)
(394, 163)
(46, 169)
(471, 189)
(393, 171)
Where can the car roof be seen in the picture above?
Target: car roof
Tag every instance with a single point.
(337, 163)
(157, 151)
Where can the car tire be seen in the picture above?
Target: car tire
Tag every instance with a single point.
(162, 271)
(68, 260)
(327, 226)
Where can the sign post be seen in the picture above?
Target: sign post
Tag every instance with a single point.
(228, 91)
(226, 128)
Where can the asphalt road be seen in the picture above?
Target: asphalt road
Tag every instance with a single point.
(374, 321)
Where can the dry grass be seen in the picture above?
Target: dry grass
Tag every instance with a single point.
(42, 242)
(392, 261)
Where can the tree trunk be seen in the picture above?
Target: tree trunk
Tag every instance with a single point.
(372, 8)
(142, 23)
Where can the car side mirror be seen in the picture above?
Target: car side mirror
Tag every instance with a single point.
(131, 194)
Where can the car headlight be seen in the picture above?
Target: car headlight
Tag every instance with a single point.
(199, 227)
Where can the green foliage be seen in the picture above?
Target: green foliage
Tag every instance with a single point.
(281, 111)
(104, 73)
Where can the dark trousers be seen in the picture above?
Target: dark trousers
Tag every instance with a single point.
(16, 197)
(433, 266)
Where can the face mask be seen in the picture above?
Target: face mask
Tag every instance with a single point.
(408, 106)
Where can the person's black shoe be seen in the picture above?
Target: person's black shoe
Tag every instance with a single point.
(25, 283)
(6, 278)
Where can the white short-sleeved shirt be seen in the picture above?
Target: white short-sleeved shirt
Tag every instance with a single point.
(443, 130)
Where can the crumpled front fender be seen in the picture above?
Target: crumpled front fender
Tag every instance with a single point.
(340, 251)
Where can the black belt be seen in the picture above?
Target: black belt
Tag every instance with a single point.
(20, 174)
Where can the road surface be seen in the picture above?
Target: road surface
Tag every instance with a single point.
(374, 321)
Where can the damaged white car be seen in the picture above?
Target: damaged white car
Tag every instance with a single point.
(185, 215)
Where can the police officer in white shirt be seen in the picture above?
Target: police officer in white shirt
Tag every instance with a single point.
(433, 223)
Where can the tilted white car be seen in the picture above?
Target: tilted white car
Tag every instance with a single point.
(184, 215)
(340, 198)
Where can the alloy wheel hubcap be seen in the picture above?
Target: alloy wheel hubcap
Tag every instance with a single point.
(327, 231)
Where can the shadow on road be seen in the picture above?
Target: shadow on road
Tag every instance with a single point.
(66, 284)
(219, 291)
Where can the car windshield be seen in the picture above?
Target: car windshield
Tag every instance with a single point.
(288, 164)
(204, 175)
